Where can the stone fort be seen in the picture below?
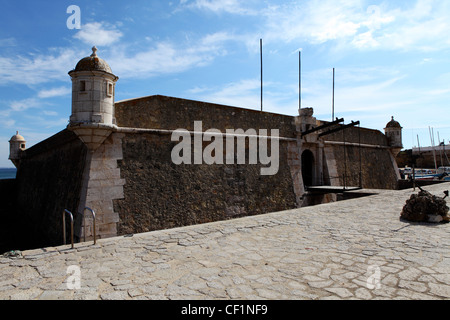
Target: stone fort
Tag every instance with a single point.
(115, 157)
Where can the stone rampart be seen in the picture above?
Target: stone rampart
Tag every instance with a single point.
(49, 181)
(159, 194)
(8, 214)
(134, 186)
(161, 112)
(360, 153)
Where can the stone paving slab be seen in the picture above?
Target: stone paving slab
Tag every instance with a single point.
(354, 249)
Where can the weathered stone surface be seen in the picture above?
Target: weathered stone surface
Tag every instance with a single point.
(159, 194)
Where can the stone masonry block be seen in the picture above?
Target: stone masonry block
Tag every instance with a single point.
(114, 192)
(103, 164)
(108, 230)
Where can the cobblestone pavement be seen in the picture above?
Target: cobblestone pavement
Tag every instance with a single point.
(355, 249)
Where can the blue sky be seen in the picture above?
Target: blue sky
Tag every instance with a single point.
(392, 58)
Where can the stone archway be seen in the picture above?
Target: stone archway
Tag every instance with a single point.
(308, 168)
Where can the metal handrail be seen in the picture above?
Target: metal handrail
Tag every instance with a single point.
(64, 226)
(84, 222)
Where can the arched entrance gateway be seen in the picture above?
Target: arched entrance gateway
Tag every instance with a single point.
(307, 168)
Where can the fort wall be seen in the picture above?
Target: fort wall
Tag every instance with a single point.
(48, 182)
(134, 186)
(8, 214)
(117, 159)
(360, 153)
(159, 194)
(161, 112)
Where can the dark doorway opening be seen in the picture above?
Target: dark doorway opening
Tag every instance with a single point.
(307, 168)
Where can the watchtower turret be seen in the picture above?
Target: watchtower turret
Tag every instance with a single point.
(393, 132)
(17, 144)
(93, 85)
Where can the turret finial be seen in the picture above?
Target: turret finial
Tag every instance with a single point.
(94, 51)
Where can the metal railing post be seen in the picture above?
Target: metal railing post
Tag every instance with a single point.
(71, 226)
(84, 222)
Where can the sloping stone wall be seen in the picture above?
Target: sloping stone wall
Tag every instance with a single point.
(8, 215)
(49, 181)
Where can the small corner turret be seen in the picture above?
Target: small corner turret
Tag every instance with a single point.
(393, 132)
(17, 145)
(93, 86)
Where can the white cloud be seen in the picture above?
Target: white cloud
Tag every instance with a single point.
(50, 113)
(96, 33)
(167, 57)
(35, 69)
(8, 117)
(7, 123)
(54, 92)
(365, 40)
(8, 42)
(52, 123)
(217, 38)
(246, 93)
(219, 6)
(420, 26)
(25, 104)
(314, 21)
(164, 58)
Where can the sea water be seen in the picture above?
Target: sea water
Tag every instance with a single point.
(8, 173)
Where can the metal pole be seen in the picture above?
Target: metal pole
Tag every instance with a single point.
(71, 226)
(434, 150)
(300, 80)
(332, 105)
(64, 227)
(360, 157)
(440, 149)
(261, 57)
(84, 222)
(345, 160)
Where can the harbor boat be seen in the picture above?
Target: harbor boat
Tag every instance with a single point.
(419, 174)
(426, 174)
(443, 173)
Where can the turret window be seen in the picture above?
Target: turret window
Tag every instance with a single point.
(82, 86)
(109, 89)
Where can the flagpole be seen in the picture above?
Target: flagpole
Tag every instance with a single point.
(299, 80)
(332, 105)
(261, 57)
